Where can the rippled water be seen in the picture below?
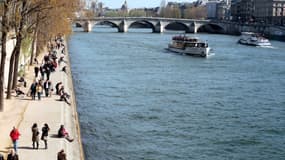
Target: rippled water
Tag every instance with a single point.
(138, 101)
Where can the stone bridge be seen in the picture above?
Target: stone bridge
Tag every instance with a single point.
(157, 24)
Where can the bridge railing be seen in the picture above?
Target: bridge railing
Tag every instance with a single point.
(138, 18)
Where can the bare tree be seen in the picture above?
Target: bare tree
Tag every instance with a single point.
(5, 30)
(196, 12)
(55, 14)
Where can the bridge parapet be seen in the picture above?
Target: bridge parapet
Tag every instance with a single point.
(157, 24)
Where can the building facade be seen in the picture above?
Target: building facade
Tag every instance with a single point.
(270, 11)
(261, 11)
(218, 9)
(243, 10)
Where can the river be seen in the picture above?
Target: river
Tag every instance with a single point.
(137, 101)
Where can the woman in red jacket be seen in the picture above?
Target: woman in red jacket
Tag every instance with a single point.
(15, 134)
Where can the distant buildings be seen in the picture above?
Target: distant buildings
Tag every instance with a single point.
(124, 7)
(217, 9)
(263, 11)
(270, 11)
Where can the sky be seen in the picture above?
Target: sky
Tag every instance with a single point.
(136, 3)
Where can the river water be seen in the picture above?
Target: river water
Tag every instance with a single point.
(137, 101)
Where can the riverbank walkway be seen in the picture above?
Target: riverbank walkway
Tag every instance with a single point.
(22, 112)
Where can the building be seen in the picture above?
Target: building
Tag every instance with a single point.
(124, 7)
(218, 9)
(270, 11)
(262, 11)
(243, 10)
(212, 9)
(222, 11)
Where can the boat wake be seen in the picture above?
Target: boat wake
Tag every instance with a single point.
(271, 47)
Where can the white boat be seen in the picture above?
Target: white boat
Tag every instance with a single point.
(253, 39)
(189, 45)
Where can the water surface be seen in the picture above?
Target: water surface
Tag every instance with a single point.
(138, 101)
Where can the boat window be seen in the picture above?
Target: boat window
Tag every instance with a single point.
(190, 44)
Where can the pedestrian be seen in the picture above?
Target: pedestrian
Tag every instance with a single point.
(47, 88)
(15, 134)
(39, 90)
(62, 133)
(45, 131)
(36, 69)
(61, 155)
(42, 71)
(33, 90)
(12, 155)
(35, 136)
(47, 70)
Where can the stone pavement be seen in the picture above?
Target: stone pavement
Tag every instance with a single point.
(48, 110)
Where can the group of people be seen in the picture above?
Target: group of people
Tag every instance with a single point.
(42, 84)
(15, 134)
(36, 135)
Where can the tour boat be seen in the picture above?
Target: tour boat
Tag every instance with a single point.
(189, 46)
(253, 39)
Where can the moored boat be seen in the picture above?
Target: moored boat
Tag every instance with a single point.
(189, 45)
(253, 39)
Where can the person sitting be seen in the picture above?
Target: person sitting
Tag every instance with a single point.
(64, 69)
(22, 81)
(64, 97)
(19, 92)
(62, 133)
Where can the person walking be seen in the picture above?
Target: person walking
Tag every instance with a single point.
(36, 70)
(47, 88)
(45, 131)
(61, 155)
(12, 155)
(39, 90)
(35, 136)
(15, 134)
(33, 90)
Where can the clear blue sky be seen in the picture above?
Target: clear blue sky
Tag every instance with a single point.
(136, 3)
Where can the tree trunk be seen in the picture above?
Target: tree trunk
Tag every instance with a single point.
(34, 41)
(10, 77)
(16, 63)
(19, 44)
(33, 48)
(2, 69)
(37, 50)
(3, 54)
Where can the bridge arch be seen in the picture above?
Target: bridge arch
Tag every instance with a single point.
(77, 24)
(211, 28)
(180, 26)
(144, 23)
(108, 23)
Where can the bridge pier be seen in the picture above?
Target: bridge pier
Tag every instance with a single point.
(87, 27)
(159, 28)
(123, 27)
(193, 28)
